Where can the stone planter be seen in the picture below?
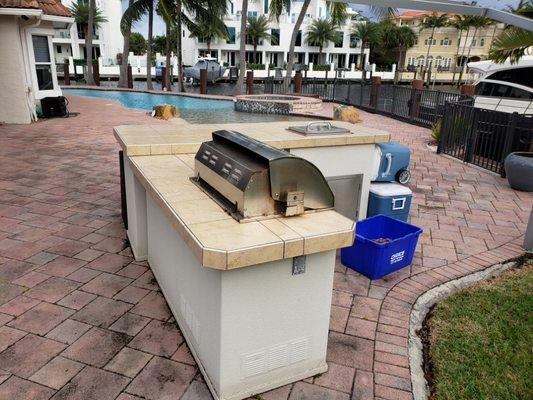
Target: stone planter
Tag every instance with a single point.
(519, 170)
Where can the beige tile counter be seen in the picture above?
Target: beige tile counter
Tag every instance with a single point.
(185, 138)
(219, 241)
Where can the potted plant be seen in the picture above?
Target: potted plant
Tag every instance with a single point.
(519, 170)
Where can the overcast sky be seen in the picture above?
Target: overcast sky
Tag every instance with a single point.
(159, 28)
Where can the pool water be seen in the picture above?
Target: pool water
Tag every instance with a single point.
(193, 110)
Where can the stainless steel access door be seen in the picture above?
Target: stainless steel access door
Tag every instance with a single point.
(347, 191)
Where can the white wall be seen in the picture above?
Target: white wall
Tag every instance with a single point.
(13, 100)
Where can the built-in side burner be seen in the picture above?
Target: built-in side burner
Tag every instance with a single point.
(318, 128)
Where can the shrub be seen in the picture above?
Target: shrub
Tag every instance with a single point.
(254, 66)
(321, 67)
(435, 130)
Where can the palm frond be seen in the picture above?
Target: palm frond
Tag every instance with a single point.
(511, 43)
(277, 7)
(133, 14)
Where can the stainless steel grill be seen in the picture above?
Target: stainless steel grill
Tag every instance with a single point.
(251, 179)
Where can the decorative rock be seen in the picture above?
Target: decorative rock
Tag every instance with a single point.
(519, 170)
(347, 114)
(165, 111)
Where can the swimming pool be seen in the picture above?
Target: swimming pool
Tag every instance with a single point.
(194, 110)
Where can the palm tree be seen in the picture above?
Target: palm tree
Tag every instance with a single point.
(320, 33)
(134, 13)
(433, 21)
(256, 30)
(242, 49)
(513, 42)
(209, 27)
(123, 77)
(406, 38)
(460, 23)
(89, 17)
(477, 22)
(338, 12)
(168, 17)
(367, 33)
(80, 12)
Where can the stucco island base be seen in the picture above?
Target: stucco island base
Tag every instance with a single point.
(250, 329)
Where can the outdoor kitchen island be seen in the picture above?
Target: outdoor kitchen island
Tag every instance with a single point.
(252, 298)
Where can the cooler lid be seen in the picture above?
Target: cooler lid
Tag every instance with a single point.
(385, 189)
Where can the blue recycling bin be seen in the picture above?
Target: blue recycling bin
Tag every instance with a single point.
(382, 245)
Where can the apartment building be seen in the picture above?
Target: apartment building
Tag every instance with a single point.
(107, 40)
(343, 54)
(446, 43)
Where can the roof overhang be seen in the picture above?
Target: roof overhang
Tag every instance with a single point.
(28, 12)
(58, 21)
(452, 7)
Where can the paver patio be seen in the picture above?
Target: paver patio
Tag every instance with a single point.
(80, 319)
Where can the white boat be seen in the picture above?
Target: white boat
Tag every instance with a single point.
(504, 80)
(215, 71)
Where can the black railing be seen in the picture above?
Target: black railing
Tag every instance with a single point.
(484, 137)
(418, 106)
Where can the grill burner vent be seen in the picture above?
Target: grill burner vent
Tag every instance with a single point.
(250, 179)
(318, 128)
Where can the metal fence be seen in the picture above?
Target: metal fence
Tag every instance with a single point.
(484, 137)
(419, 106)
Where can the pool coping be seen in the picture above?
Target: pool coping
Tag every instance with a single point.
(115, 89)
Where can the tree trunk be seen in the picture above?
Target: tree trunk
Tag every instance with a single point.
(320, 53)
(457, 55)
(123, 78)
(149, 85)
(168, 85)
(468, 55)
(255, 51)
(89, 43)
(398, 65)
(290, 56)
(362, 56)
(181, 86)
(429, 47)
(462, 58)
(242, 49)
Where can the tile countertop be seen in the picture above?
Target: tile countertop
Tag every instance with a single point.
(184, 138)
(219, 241)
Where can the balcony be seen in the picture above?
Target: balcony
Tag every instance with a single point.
(62, 33)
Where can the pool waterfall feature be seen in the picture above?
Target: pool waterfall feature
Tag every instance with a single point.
(276, 104)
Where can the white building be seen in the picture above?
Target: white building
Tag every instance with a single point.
(342, 54)
(107, 41)
(27, 65)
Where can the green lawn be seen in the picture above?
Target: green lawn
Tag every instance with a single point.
(481, 340)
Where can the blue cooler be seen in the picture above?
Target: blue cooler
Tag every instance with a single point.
(382, 245)
(391, 199)
(391, 162)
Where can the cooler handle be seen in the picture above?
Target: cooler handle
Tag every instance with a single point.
(388, 156)
(395, 202)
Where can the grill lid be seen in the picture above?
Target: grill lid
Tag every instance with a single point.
(251, 179)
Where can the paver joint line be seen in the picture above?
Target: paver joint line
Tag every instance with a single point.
(68, 280)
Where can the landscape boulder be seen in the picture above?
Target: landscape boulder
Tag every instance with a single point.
(346, 113)
(165, 111)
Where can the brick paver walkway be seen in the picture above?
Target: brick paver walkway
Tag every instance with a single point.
(80, 319)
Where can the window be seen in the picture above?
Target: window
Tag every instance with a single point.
(482, 42)
(319, 12)
(420, 61)
(447, 62)
(520, 76)
(299, 38)
(340, 39)
(274, 37)
(416, 41)
(59, 49)
(252, 13)
(446, 42)
(430, 41)
(411, 61)
(499, 90)
(438, 62)
(293, 18)
(474, 42)
(43, 64)
(231, 7)
(231, 35)
(265, 6)
(354, 41)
